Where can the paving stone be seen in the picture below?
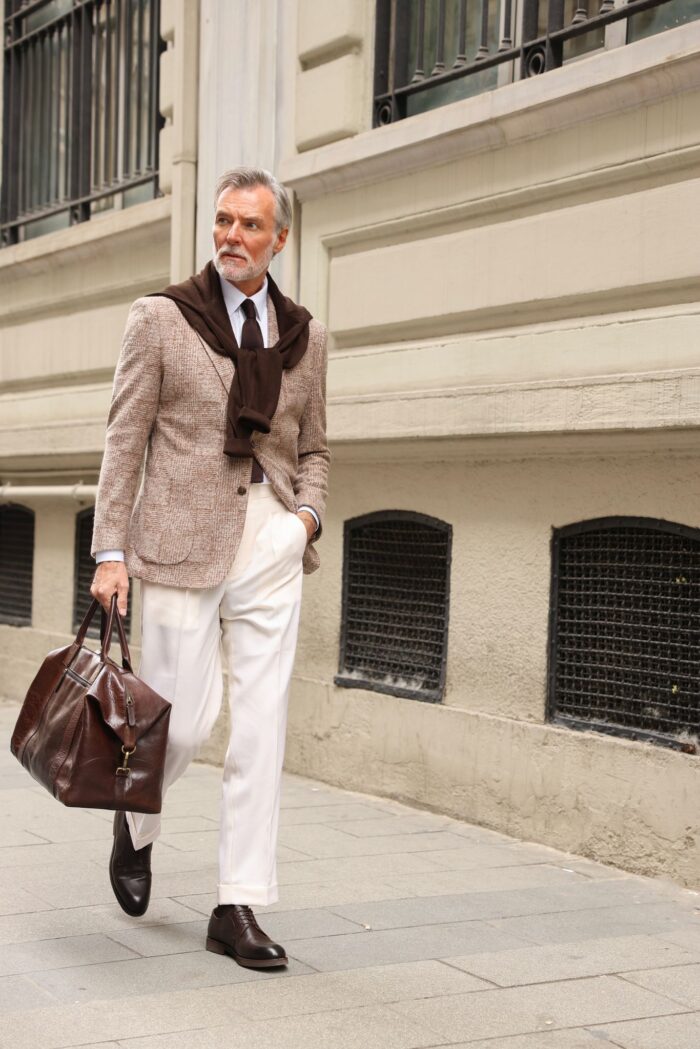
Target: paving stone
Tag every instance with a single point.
(78, 921)
(60, 953)
(19, 994)
(414, 824)
(537, 964)
(350, 951)
(303, 895)
(520, 1010)
(321, 841)
(562, 927)
(667, 1032)
(488, 905)
(124, 979)
(370, 1027)
(336, 813)
(281, 926)
(681, 983)
(578, 1038)
(484, 879)
(19, 901)
(350, 867)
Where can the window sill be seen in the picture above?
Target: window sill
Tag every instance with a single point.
(606, 82)
(83, 234)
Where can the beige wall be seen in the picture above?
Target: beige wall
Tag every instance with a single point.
(511, 288)
(64, 301)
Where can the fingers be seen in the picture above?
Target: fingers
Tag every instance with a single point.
(111, 577)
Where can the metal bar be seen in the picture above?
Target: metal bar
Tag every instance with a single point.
(483, 49)
(25, 219)
(138, 115)
(128, 43)
(96, 100)
(419, 71)
(152, 81)
(461, 59)
(439, 66)
(507, 41)
(107, 176)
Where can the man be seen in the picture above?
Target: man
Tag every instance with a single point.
(221, 382)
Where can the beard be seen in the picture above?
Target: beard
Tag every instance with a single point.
(241, 269)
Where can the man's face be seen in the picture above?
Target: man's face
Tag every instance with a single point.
(245, 235)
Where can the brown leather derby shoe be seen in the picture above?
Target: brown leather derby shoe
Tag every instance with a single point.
(129, 870)
(233, 930)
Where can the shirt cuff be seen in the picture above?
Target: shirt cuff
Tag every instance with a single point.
(109, 555)
(313, 513)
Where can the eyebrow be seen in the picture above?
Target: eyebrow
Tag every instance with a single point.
(246, 218)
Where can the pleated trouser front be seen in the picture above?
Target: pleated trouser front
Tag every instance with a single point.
(251, 619)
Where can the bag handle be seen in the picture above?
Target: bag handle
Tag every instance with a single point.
(113, 615)
(106, 633)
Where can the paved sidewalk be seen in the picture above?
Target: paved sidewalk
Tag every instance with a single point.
(404, 929)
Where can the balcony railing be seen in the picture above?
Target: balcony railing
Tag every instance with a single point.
(431, 52)
(80, 114)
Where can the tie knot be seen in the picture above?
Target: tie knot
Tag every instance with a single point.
(248, 307)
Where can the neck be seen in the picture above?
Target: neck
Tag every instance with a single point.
(249, 287)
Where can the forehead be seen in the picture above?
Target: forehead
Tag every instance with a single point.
(257, 199)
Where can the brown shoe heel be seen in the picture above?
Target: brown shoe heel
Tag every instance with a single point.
(215, 946)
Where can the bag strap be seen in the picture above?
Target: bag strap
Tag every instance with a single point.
(109, 629)
(106, 633)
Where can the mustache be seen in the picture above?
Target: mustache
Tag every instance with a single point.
(222, 254)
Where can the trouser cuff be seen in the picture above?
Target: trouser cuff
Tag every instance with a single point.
(261, 895)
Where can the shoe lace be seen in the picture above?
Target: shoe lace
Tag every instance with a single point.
(245, 914)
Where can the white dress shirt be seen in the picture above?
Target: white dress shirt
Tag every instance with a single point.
(233, 299)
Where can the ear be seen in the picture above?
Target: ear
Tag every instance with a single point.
(281, 240)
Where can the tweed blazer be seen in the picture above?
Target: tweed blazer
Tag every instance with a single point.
(169, 400)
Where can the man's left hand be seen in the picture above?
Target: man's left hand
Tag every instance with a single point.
(308, 521)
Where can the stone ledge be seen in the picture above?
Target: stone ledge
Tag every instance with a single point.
(621, 78)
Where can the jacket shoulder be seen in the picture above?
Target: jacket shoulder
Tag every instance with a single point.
(318, 332)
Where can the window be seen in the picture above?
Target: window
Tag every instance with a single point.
(431, 52)
(16, 565)
(396, 581)
(80, 122)
(625, 629)
(84, 572)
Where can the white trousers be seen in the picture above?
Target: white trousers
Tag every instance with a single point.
(252, 617)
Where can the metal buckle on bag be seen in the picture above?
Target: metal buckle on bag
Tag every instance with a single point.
(123, 769)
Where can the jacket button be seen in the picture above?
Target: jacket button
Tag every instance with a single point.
(241, 489)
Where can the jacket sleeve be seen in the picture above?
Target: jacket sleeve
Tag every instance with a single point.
(135, 398)
(311, 484)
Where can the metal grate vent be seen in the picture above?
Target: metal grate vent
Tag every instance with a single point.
(396, 579)
(625, 629)
(16, 565)
(84, 572)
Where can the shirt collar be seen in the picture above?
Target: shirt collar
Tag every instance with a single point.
(233, 296)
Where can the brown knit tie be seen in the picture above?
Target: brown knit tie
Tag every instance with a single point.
(252, 339)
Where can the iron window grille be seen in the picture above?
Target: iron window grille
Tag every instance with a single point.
(624, 648)
(80, 120)
(16, 564)
(84, 573)
(396, 584)
(431, 52)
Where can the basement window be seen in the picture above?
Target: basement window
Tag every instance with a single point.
(624, 649)
(396, 581)
(84, 574)
(16, 564)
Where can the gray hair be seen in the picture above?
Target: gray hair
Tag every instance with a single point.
(245, 178)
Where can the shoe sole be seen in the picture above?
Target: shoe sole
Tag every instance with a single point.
(217, 947)
(132, 913)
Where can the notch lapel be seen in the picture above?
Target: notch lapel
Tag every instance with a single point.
(222, 365)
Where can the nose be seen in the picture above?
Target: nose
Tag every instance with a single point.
(233, 234)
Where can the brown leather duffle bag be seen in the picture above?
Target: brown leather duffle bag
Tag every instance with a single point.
(92, 732)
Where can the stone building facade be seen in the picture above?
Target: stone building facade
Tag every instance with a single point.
(509, 273)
